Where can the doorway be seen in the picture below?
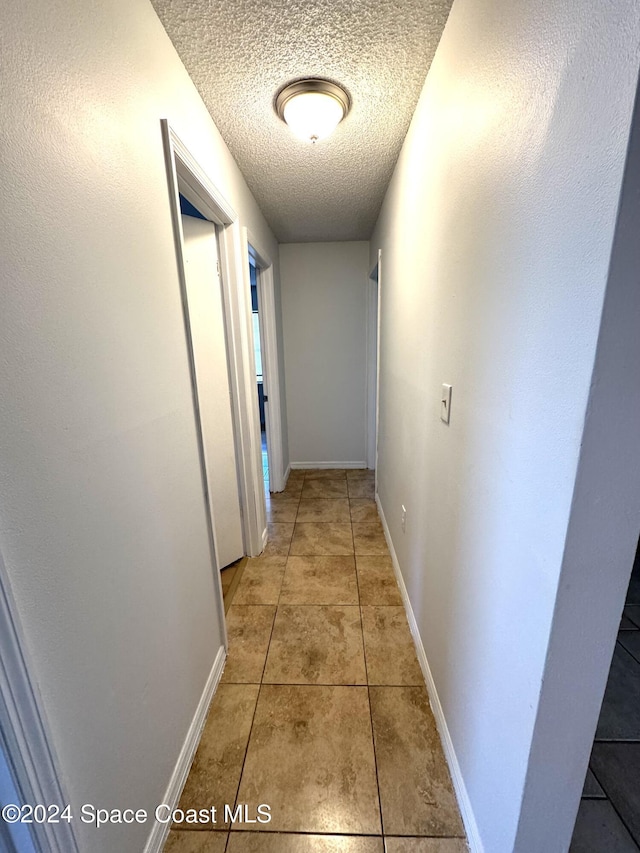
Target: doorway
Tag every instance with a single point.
(207, 338)
(263, 397)
(373, 364)
(14, 837)
(266, 368)
(213, 212)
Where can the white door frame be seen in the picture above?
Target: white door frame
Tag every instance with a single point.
(28, 746)
(270, 365)
(186, 177)
(373, 364)
(210, 350)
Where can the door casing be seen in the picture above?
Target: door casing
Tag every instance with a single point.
(270, 364)
(186, 177)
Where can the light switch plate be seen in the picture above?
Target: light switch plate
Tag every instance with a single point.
(445, 403)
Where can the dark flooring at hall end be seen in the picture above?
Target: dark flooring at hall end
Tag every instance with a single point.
(609, 815)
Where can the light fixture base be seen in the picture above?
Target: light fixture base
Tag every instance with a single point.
(312, 84)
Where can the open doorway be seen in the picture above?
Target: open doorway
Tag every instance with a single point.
(14, 837)
(373, 366)
(186, 178)
(207, 340)
(266, 367)
(259, 367)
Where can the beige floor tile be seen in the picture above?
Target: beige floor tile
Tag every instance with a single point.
(296, 474)
(361, 488)
(390, 652)
(325, 474)
(360, 474)
(364, 510)
(188, 841)
(266, 559)
(285, 497)
(415, 788)
(226, 577)
(249, 631)
(324, 509)
(426, 845)
(231, 577)
(369, 539)
(261, 581)
(282, 510)
(320, 580)
(310, 758)
(314, 644)
(292, 488)
(277, 842)
(321, 539)
(377, 581)
(215, 772)
(324, 487)
(280, 534)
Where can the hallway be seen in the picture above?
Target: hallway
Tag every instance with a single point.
(322, 713)
(467, 235)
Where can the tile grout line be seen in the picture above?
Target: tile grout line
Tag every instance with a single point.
(338, 604)
(317, 684)
(275, 615)
(244, 759)
(622, 820)
(255, 710)
(612, 804)
(303, 832)
(627, 741)
(618, 642)
(366, 672)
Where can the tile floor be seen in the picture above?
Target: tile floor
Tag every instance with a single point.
(322, 712)
(230, 577)
(609, 814)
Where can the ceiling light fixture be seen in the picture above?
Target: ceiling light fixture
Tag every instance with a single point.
(312, 108)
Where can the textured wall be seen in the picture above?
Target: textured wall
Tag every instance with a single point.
(102, 522)
(496, 235)
(324, 292)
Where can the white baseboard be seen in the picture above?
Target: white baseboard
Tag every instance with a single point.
(265, 538)
(160, 831)
(312, 465)
(464, 803)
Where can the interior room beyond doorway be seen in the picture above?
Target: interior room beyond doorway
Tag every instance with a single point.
(260, 378)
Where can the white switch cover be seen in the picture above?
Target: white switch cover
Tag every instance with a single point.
(445, 403)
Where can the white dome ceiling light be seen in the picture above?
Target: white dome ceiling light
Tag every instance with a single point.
(312, 108)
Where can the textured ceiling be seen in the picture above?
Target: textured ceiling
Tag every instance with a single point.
(240, 53)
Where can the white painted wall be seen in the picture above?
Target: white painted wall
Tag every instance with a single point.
(496, 235)
(324, 305)
(102, 521)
